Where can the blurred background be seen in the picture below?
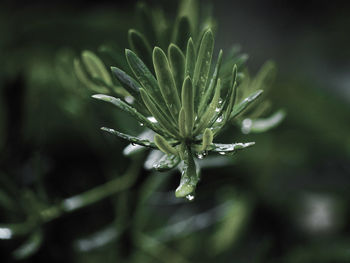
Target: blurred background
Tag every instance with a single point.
(284, 200)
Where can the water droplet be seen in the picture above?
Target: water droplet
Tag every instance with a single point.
(129, 99)
(220, 101)
(152, 119)
(190, 197)
(246, 125)
(202, 155)
(217, 109)
(141, 124)
(222, 153)
(219, 119)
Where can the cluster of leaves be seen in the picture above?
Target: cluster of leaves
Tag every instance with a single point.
(182, 100)
(184, 105)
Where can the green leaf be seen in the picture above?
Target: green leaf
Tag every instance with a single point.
(140, 46)
(262, 124)
(29, 247)
(210, 112)
(225, 149)
(202, 66)
(212, 85)
(163, 121)
(182, 123)
(131, 139)
(190, 59)
(245, 103)
(83, 78)
(232, 96)
(128, 109)
(177, 64)
(163, 145)
(95, 67)
(188, 104)
(132, 149)
(182, 32)
(167, 162)
(130, 84)
(207, 139)
(189, 177)
(147, 80)
(166, 82)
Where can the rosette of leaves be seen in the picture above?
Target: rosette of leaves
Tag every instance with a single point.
(186, 106)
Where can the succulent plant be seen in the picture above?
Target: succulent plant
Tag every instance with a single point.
(185, 104)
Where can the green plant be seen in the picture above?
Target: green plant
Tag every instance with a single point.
(186, 105)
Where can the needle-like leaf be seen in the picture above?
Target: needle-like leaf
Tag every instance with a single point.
(130, 110)
(209, 91)
(163, 145)
(165, 123)
(228, 148)
(202, 66)
(131, 139)
(190, 59)
(82, 76)
(147, 80)
(166, 82)
(187, 104)
(210, 112)
(207, 139)
(182, 123)
(177, 64)
(140, 46)
(95, 67)
(245, 103)
(167, 162)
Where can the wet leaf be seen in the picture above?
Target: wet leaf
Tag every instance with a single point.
(202, 66)
(212, 84)
(189, 177)
(237, 109)
(188, 104)
(210, 112)
(167, 162)
(166, 82)
(177, 64)
(229, 148)
(128, 109)
(207, 139)
(131, 139)
(163, 145)
(190, 59)
(160, 117)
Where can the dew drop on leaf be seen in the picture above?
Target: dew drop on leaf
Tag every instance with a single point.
(202, 155)
(190, 197)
